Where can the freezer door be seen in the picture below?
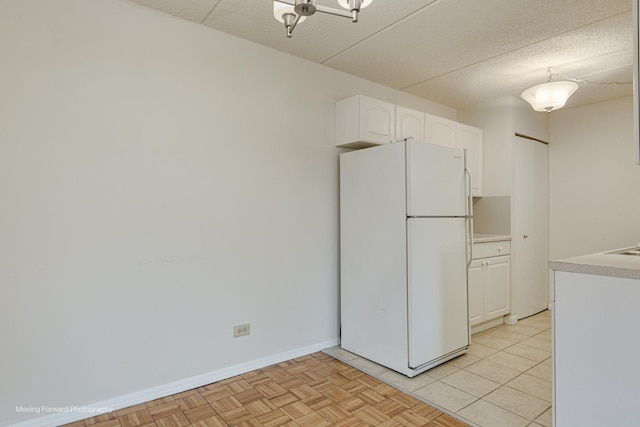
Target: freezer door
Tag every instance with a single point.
(436, 181)
(437, 288)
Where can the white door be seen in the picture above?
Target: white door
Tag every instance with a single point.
(530, 238)
(437, 288)
(436, 182)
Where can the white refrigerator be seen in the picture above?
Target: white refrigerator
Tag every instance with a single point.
(405, 245)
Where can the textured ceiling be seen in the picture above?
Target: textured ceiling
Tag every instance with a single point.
(455, 52)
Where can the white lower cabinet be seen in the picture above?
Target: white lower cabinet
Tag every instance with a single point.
(489, 287)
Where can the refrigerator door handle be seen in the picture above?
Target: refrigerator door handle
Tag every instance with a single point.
(469, 212)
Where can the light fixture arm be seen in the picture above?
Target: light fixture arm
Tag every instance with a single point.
(323, 9)
(305, 8)
(290, 22)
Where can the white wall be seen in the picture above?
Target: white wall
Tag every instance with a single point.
(594, 184)
(160, 182)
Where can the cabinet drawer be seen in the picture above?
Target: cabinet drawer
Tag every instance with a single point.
(491, 249)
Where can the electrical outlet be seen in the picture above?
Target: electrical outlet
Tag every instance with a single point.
(241, 330)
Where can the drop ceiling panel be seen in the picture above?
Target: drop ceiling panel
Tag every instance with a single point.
(192, 10)
(453, 34)
(320, 37)
(455, 52)
(577, 53)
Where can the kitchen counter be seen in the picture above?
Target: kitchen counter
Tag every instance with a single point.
(483, 238)
(601, 264)
(594, 320)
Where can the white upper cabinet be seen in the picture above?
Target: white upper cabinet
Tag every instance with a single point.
(471, 139)
(409, 123)
(362, 122)
(440, 131)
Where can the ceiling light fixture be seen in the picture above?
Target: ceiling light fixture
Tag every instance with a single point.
(549, 96)
(292, 12)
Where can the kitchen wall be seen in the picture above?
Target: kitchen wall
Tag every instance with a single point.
(594, 184)
(160, 183)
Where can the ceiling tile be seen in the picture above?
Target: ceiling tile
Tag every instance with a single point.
(576, 54)
(453, 34)
(454, 52)
(192, 10)
(320, 37)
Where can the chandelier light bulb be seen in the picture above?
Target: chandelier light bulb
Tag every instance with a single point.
(346, 4)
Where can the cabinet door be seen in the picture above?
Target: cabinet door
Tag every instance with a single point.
(471, 139)
(497, 295)
(476, 292)
(409, 123)
(364, 122)
(376, 120)
(440, 131)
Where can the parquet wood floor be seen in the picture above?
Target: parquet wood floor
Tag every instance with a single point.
(315, 390)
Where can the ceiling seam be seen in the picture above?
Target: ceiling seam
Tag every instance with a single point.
(380, 31)
(210, 12)
(511, 51)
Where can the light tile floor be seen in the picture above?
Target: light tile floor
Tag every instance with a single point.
(504, 379)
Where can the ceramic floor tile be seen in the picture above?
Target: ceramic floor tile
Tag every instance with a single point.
(493, 372)
(481, 351)
(471, 383)
(340, 353)
(522, 329)
(533, 386)
(512, 361)
(546, 335)
(464, 360)
(485, 414)
(546, 418)
(368, 366)
(541, 371)
(490, 341)
(446, 396)
(406, 383)
(507, 334)
(442, 371)
(537, 323)
(528, 352)
(525, 405)
(538, 343)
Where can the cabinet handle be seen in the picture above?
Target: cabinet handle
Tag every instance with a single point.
(526, 236)
(499, 248)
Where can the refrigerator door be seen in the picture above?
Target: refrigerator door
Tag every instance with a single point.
(436, 181)
(437, 288)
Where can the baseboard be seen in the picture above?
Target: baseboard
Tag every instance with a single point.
(486, 325)
(511, 319)
(124, 401)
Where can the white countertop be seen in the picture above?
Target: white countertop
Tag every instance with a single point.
(483, 238)
(601, 264)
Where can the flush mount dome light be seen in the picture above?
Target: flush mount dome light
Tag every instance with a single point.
(549, 96)
(291, 12)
